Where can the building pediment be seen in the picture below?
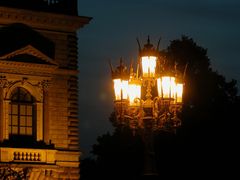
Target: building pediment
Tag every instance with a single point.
(27, 60)
(28, 54)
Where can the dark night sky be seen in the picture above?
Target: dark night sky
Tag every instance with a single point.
(213, 24)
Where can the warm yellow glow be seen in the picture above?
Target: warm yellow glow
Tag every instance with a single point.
(117, 88)
(149, 66)
(134, 91)
(159, 87)
(179, 93)
(124, 89)
(172, 87)
(166, 87)
(120, 89)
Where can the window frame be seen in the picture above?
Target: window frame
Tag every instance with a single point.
(20, 102)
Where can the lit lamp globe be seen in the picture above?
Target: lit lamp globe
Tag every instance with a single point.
(120, 89)
(169, 89)
(134, 92)
(148, 60)
(120, 82)
(179, 93)
(166, 86)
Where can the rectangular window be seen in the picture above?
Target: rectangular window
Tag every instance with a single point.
(14, 130)
(29, 130)
(14, 120)
(21, 113)
(14, 109)
(22, 130)
(29, 121)
(22, 121)
(10, 129)
(29, 110)
(22, 110)
(9, 120)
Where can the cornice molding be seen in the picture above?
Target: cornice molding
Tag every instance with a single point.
(26, 68)
(42, 20)
(70, 72)
(13, 67)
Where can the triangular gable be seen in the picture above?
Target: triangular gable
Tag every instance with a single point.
(29, 50)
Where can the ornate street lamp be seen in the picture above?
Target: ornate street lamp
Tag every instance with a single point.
(149, 100)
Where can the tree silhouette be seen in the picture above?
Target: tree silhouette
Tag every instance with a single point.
(117, 156)
(206, 139)
(209, 114)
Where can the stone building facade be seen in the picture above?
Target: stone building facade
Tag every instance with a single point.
(39, 89)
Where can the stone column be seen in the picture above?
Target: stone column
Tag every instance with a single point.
(45, 87)
(39, 123)
(5, 119)
(3, 110)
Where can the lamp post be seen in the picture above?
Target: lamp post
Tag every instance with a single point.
(148, 100)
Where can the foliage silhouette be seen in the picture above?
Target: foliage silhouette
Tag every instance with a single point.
(205, 143)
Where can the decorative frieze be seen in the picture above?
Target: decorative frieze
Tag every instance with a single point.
(26, 68)
(44, 85)
(34, 86)
(42, 19)
(3, 82)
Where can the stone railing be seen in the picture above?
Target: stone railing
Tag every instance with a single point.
(41, 156)
(27, 155)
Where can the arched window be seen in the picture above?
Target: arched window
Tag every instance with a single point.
(22, 114)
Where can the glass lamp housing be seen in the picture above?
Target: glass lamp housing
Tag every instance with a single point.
(166, 86)
(120, 89)
(148, 65)
(179, 92)
(134, 93)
